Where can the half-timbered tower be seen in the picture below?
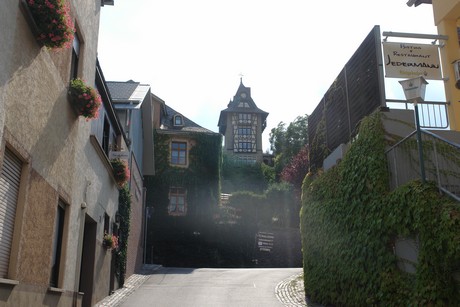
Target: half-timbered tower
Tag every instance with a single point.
(242, 124)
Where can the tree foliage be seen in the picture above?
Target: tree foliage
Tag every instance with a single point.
(286, 142)
(297, 168)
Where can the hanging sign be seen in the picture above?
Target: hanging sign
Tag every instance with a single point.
(407, 60)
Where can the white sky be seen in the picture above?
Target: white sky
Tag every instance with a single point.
(193, 52)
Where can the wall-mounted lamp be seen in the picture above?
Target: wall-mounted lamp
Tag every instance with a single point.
(414, 89)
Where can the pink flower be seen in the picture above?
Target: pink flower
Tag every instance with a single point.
(54, 22)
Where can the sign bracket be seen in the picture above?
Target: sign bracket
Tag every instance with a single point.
(434, 37)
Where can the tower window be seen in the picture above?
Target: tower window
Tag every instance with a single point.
(244, 131)
(244, 118)
(245, 146)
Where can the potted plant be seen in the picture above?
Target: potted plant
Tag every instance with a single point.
(120, 171)
(110, 241)
(85, 99)
(51, 22)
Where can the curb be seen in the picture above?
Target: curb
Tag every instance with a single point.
(131, 284)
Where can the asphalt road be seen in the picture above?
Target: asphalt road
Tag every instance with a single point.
(170, 287)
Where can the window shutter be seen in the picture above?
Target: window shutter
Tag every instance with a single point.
(10, 177)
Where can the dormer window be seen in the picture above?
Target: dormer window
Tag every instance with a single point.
(243, 105)
(178, 120)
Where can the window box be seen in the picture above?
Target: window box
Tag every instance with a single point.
(110, 241)
(85, 100)
(50, 22)
(120, 171)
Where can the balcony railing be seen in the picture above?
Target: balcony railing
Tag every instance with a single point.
(432, 114)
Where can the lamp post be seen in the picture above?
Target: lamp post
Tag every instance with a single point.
(414, 90)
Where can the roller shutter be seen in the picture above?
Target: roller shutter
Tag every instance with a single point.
(10, 177)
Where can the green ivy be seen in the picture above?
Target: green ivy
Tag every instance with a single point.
(350, 221)
(240, 176)
(124, 210)
(201, 179)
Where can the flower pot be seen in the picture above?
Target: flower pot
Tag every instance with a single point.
(84, 99)
(121, 171)
(50, 22)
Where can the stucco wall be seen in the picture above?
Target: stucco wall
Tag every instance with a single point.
(135, 241)
(61, 161)
(446, 15)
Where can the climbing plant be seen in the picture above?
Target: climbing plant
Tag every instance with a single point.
(350, 221)
(124, 210)
(201, 181)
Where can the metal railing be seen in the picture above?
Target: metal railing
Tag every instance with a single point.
(432, 114)
(441, 160)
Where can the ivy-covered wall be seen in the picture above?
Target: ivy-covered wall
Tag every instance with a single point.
(349, 224)
(243, 176)
(124, 210)
(166, 234)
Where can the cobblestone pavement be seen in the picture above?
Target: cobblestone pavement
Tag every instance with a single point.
(290, 291)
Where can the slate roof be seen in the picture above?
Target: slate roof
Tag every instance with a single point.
(167, 120)
(232, 106)
(122, 90)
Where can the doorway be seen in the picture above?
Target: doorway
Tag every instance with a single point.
(87, 261)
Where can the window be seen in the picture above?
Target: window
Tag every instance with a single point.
(178, 120)
(75, 56)
(247, 160)
(243, 105)
(10, 177)
(244, 131)
(178, 153)
(57, 244)
(106, 136)
(245, 146)
(106, 223)
(177, 201)
(244, 116)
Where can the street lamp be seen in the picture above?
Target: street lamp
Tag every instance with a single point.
(414, 90)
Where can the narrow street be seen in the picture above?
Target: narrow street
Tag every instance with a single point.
(211, 287)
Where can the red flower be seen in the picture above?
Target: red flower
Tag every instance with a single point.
(55, 26)
(86, 99)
